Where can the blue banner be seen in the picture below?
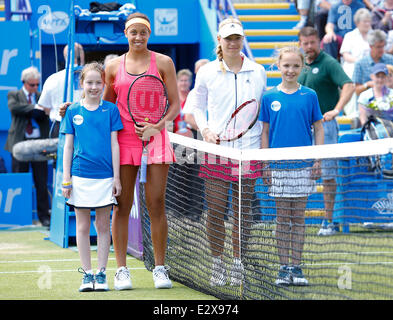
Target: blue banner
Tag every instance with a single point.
(15, 56)
(15, 199)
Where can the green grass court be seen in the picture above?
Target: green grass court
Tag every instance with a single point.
(356, 266)
(32, 268)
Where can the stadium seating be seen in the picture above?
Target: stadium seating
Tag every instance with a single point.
(268, 26)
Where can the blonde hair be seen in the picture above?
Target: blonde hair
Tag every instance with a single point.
(289, 49)
(219, 48)
(361, 14)
(93, 66)
(184, 72)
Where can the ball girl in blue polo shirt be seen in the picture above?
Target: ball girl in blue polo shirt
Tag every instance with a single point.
(289, 111)
(91, 165)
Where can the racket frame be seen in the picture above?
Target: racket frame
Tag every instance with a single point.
(233, 115)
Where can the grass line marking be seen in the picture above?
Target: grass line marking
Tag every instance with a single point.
(66, 270)
(55, 260)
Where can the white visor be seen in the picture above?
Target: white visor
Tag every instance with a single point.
(229, 29)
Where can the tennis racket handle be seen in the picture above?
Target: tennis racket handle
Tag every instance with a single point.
(142, 177)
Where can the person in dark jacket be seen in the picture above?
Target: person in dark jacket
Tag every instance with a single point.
(30, 121)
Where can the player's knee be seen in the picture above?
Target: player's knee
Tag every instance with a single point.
(155, 203)
(121, 210)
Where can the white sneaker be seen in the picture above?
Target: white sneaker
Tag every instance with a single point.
(327, 231)
(123, 279)
(298, 278)
(87, 281)
(161, 278)
(100, 283)
(218, 277)
(236, 272)
(284, 276)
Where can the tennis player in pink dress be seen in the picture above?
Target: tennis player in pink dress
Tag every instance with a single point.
(120, 73)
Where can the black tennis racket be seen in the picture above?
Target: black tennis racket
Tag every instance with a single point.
(147, 101)
(242, 119)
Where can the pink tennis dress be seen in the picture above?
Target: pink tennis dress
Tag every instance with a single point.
(228, 169)
(159, 147)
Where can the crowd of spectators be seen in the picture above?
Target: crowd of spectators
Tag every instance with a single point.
(358, 33)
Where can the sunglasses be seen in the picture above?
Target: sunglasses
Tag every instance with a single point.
(33, 84)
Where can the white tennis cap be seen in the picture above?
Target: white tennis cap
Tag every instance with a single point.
(229, 29)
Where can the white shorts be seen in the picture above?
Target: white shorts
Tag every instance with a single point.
(292, 183)
(91, 193)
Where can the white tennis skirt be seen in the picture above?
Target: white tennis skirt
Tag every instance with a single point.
(91, 193)
(292, 183)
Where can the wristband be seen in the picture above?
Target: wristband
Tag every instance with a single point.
(67, 185)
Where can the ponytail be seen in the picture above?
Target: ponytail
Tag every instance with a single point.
(220, 57)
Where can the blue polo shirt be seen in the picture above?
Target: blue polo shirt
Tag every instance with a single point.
(92, 156)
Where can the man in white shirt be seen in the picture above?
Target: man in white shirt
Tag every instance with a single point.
(190, 102)
(53, 90)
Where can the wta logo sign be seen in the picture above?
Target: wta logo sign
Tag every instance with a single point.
(166, 22)
(52, 22)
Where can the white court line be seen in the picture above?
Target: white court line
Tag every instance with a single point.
(347, 263)
(55, 260)
(51, 270)
(348, 252)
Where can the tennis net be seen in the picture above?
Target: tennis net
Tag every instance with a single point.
(285, 249)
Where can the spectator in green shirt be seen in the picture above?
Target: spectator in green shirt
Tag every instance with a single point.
(334, 89)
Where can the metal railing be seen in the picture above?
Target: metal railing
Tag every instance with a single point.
(224, 9)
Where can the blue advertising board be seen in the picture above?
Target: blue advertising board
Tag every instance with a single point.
(14, 57)
(14, 51)
(15, 199)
